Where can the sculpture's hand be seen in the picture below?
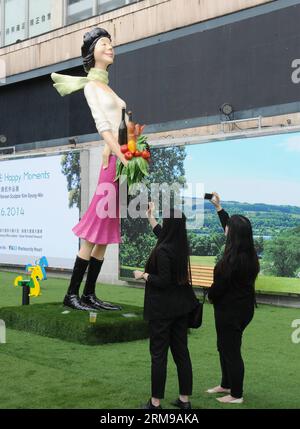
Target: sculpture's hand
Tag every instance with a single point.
(105, 156)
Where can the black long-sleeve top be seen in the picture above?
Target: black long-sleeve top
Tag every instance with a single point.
(224, 217)
(164, 297)
(227, 294)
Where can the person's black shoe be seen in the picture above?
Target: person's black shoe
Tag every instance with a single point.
(150, 406)
(73, 301)
(182, 405)
(92, 301)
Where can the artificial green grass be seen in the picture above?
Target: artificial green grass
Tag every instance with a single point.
(54, 290)
(42, 372)
(52, 320)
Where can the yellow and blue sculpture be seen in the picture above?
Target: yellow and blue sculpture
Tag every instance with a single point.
(37, 274)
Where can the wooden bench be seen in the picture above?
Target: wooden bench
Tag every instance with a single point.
(202, 276)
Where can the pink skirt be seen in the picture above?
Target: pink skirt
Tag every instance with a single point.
(100, 224)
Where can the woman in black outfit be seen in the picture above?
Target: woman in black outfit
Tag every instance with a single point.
(233, 296)
(169, 297)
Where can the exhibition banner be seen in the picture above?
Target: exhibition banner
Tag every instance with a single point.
(39, 205)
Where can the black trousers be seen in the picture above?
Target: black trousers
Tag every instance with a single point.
(229, 342)
(171, 333)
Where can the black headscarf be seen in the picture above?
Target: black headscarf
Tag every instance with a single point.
(89, 42)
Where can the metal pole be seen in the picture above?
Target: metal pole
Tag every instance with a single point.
(64, 12)
(27, 19)
(95, 8)
(25, 295)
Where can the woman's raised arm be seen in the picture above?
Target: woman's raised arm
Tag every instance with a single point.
(223, 215)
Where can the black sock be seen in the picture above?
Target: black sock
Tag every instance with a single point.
(92, 275)
(79, 269)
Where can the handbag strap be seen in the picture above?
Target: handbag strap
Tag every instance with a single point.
(205, 293)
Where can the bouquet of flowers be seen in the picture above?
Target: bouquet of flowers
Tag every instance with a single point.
(137, 153)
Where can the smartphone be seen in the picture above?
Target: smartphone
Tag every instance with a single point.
(208, 196)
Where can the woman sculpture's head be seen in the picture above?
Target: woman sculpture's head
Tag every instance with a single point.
(97, 49)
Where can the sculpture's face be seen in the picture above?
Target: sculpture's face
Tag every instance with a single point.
(104, 52)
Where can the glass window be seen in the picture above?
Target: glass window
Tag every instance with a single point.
(14, 18)
(107, 5)
(41, 16)
(78, 10)
(28, 18)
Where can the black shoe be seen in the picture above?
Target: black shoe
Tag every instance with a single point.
(150, 406)
(73, 301)
(183, 405)
(93, 301)
(89, 295)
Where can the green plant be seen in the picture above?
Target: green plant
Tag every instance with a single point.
(137, 167)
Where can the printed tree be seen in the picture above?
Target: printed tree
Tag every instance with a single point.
(167, 166)
(70, 163)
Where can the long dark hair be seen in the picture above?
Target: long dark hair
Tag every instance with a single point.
(89, 42)
(174, 234)
(240, 261)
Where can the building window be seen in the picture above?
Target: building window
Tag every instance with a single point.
(28, 18)
(38, 11)
(79, 10)
(14, 15)
(107, 5)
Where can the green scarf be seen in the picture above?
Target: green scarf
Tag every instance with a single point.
(66, 84)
